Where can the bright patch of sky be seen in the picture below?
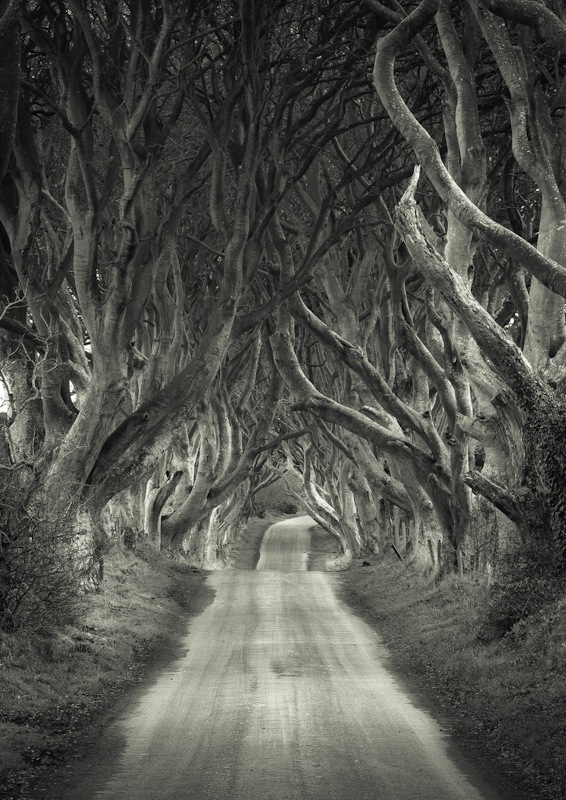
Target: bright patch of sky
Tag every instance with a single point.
(4, 403)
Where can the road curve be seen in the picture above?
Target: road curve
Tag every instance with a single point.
(282, 695)
(285, 546)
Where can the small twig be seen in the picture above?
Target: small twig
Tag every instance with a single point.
(399, 556)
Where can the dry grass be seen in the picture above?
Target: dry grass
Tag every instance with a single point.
(324, 553)
(53, 688)
(244, 552)
(506, 699)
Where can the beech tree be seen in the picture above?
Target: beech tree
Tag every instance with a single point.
(319, 241)
(472, 419)
(515, 386)
(123, 297)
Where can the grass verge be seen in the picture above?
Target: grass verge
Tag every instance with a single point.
(53, 690)
(324, 555)
(243, 553)
(505, 701)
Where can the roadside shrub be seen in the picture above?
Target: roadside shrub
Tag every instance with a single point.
(259, 509)
(40, 580)
(288, 507)
(525, 583)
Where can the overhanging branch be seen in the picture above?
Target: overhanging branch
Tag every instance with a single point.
(548, 272)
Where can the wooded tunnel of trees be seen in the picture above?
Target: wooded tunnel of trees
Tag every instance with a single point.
(318, 242)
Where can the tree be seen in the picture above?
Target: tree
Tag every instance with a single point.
(215, 270)
(126, 298)
(526, 407)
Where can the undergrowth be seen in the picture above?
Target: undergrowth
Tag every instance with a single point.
(525, 583)
(53, 685)
(505, 697)
(41, 571)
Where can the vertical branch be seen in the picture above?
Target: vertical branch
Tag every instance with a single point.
(547, 271)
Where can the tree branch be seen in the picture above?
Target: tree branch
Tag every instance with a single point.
(534, 14)
(506, 357)
(547, 271)
(497, 494)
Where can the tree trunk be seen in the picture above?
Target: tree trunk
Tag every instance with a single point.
(156, 497)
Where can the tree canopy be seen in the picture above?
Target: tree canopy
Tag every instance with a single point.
(319, 243)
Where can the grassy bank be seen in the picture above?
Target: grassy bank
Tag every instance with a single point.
(324, 552)
(505, 701)
(244, 552)
(54, 691)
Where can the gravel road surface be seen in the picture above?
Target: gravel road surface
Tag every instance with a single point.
(282, 695)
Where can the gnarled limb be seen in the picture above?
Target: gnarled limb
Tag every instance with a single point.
(547, 271)
(10, 77)
(503, 354)
(155, 499)
(501, 497)
(535, 14)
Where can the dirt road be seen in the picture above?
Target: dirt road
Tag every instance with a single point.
(282, 695)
